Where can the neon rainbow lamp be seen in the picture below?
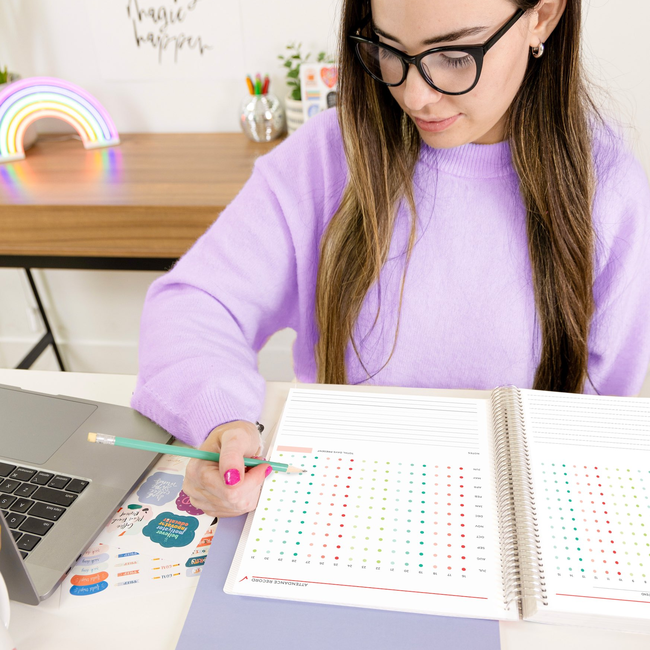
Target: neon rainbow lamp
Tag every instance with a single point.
(25, 101)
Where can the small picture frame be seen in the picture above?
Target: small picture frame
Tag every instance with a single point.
(318, 84)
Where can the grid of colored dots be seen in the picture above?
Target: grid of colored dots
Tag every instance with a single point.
(371, 488)
(598, 518)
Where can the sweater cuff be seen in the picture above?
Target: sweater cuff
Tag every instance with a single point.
(210, 409)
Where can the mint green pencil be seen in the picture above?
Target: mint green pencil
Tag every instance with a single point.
(190, 452)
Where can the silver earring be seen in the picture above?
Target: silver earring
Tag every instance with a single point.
(538, 51)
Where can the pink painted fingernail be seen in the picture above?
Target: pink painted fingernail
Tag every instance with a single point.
(269, 469)
(232, 477)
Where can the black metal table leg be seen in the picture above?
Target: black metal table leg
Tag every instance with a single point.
(48, 337)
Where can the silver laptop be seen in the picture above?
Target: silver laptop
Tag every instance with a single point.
(57, 490)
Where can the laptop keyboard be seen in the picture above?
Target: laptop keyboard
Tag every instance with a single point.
(33, 501)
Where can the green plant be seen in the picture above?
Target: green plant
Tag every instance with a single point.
(292, 62)
(4, 76)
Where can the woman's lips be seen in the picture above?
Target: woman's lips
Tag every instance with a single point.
(435, 126)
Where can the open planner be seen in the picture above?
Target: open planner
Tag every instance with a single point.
(526, 504)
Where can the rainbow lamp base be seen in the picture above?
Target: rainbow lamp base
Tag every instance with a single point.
(27, 100)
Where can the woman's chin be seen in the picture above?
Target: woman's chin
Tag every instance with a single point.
(442, 140)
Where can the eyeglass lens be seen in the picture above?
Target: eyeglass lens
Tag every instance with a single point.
(450, 71)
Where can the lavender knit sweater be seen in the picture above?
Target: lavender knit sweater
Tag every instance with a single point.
(468, 314)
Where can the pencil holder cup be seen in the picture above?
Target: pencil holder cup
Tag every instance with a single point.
(262, 117)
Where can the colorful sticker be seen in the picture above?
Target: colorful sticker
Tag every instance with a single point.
(91, 561)
(89, 590)
(127, 582)
(128, 563)
(205, 541)
(184, 504)
(93, 579)
(167, 576)
(160, 488)
(96, 549)
(170, 530)
(130, 520)
(196, 561)
(87, 570)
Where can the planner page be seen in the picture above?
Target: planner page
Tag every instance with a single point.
(396, 508)
(590, 459)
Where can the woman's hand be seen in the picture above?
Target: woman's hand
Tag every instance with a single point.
(227, 488)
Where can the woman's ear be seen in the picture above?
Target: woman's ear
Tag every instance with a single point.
(544, 19)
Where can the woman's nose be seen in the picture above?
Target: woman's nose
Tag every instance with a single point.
(417, 92)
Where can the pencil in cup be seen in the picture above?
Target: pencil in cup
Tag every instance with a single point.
(190, 452)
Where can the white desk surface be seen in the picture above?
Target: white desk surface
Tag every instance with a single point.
(157, 621)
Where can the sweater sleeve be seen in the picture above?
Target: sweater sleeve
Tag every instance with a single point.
(620, 333)
(204, 322)
(250, 275)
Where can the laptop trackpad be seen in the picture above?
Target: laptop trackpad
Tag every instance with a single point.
(33, 427)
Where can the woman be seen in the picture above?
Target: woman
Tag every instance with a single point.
(462, 220)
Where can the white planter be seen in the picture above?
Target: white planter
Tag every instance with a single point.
(294, 114)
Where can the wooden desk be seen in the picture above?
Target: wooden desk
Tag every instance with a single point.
(137, 206)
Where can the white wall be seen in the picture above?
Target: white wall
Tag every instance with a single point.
(96, 314)
(55, 37)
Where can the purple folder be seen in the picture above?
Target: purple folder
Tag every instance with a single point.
(219, 620)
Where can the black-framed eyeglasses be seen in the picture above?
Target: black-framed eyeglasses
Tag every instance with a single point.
(455, 69)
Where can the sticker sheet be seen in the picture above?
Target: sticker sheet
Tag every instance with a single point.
(156, 540)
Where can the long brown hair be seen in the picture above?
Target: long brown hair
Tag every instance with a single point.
(549, 126)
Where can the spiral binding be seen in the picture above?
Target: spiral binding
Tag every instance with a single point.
(521, 554)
